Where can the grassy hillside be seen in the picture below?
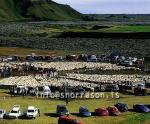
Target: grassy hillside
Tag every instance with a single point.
(12, 10)
(53, 11)
(9, 11)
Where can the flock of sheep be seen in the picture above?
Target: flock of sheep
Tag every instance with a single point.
(71, 78)
(109, 78)
(68, 65)
(31, 81)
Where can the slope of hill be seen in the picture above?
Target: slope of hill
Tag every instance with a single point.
(9, 11)
(12, 10)
(48, 9)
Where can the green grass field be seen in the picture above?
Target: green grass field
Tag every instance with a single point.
(48, 109)
(125, 28)
(109, 28)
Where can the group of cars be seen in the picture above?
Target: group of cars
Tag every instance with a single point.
(115, 110)
(63, 112)
(85, 112)
(25, 90)
(113, 57)
(31, 112)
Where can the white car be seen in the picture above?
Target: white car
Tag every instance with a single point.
(32, 112)
(46, 91)
(15, 112)
(127, 63)
(2, 113)
(43, 90)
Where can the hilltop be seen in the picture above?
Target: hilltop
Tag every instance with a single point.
(15, 10)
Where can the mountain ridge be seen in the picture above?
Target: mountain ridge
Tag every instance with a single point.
(15, 10)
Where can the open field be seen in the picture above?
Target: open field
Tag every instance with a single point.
(97, 34)
(53, 29)
(48, 108)
(127, 28)
(43, 38)
(27, 51)
(51, 36)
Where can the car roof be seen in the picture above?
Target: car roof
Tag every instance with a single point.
(61, 105)
(66, 117)
(121, 103)
(31, 107)
(101, 109)
(111, 107)
(83, 107)
(16, 107)
(139, 105)
(46, 87)
(69, 119)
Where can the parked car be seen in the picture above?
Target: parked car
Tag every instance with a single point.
(92, 58)
(32, 112)
(112, 88)
(113, 111)
(122, 107)
(62, 110)
(18, 90)
(102, 58)
(68, 120)
(101, 112)
(148, 105)
(141, 108)
(140, 89)
(2, 113)
(43, 90)
(83, 111)
(46, 90)
(79, 90)
(147, 84)
(71, 57)
(126, 63)
(83, 57)
(15, 112)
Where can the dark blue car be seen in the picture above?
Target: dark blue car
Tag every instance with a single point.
(83, 111)
(62, 110)
(148, 105)
(141, 108)
(122, 107)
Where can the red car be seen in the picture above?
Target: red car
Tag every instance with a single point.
(113, 111)
(101, 112)
(68, 120)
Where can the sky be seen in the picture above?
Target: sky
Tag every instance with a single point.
(109, 6)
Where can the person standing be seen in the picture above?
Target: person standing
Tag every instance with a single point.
(39, 112)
